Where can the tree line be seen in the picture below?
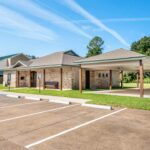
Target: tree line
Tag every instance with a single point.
(95, 47)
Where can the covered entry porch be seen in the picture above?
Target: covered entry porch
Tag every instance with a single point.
(50, 78)
(119, 61)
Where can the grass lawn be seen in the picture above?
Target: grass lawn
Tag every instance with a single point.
(134, 85)
(2, 87)
(121, 101)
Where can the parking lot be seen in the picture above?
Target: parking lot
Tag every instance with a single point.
(43, 125)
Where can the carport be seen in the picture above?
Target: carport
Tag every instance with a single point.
(120, 60)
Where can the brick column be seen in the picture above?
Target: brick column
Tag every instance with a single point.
(110, 79)
(121, 73)
(80, 80)
(17, 78)
(43, 78)
(141, 70)
(61, 79)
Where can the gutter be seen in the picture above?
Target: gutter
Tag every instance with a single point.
(110, 60)
(40, 67)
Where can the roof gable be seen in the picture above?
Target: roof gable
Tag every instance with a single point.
(20, 63)
(71, 52)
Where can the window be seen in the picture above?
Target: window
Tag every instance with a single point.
(106, 75)
(99, 75)
(9, 77)
(103, 75)
(22, 78)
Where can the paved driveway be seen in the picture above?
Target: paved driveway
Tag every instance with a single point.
(133, 92)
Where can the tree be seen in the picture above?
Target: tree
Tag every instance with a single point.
(95, 46)
(142, 46)
(31, 56)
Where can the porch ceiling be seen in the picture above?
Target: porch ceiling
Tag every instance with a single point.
(119, 65)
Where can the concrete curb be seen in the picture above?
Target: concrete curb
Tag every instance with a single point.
(13, 96)
(33, 98)
(3, 94)
(60, 101)
(98, 106)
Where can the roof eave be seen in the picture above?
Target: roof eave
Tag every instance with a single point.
(109, 60)
(41, 67)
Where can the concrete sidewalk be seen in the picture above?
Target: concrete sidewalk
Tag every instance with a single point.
(133, 92)
(47, 97)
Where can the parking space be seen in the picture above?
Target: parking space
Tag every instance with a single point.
(5, 101)
(43, 125)
(128, 130)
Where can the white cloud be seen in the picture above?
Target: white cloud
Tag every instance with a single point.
(126, 19)
(115, 20)
(78, 9)
(36, 10)
(15, 23)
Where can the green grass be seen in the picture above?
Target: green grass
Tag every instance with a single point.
(117, 101)
(134, 85)
(2, 87)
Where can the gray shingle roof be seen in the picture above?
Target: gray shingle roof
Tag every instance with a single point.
(3, 60)
(117, 54)
(7, 56)
(55, 59)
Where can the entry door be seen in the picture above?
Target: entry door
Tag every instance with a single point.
(87, 78)
(33, 79)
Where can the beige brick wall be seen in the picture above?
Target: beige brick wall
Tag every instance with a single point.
(13, 78)
(24, 79)
(52, 74)
(70, 78)
(67, 78)
(75, 77)
(100, 79)
(103, 81)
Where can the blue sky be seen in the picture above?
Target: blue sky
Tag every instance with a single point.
(40, 27)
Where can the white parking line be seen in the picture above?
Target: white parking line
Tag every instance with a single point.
(8, 106)
(72, 129)
(37, 113)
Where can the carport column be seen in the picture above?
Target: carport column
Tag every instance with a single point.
(141, 70)
(17, 78)
(137, 76)
(29, 78)
(43, 78)
(121, 78)
(80, 79)
(61, 79)
(110, 79)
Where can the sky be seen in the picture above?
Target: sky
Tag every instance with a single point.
(41, 27)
